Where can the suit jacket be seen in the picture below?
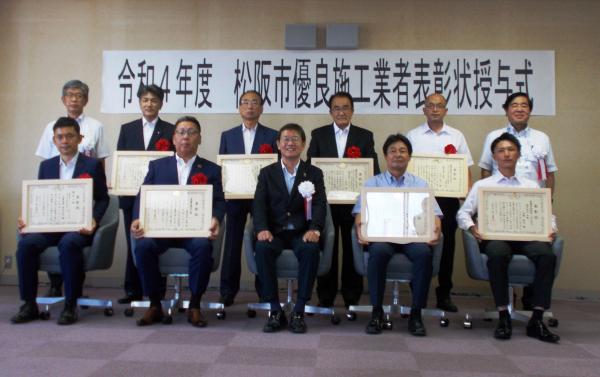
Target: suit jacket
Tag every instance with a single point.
(131, 138)
(232, 140)
(163, 171)
(50, 169)
(322, 143)
(274, 207)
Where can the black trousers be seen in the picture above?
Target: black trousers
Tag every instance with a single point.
(352, 282)
(449, 207)
(540, 253)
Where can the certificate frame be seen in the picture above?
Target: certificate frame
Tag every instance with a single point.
(30, 188)
(428, 165)
(526, 200)
(140, 157)
(168, 196)
(262, 160)
(390, 194)
(339, 195)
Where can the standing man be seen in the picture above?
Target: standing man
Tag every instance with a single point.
(250, 137)
(435, 136)
(69, 164)
(537, 160)
(281, 221)
(506, 153)
(337, 140)
(150, 133)
(397, 151)
(75, 96)
(185, 168)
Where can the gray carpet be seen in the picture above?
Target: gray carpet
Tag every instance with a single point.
(114, 346)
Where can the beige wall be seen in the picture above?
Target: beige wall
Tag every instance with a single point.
(45, 43)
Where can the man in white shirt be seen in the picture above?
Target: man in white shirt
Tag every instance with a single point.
(435, 136)
(74, 96)
(536, 161)
(506, 152)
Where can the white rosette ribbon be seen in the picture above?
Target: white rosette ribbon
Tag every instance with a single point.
(540, 155)
(307, 189)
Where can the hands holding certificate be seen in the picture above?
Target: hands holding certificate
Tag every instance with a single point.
(85, 231)
(138, 232)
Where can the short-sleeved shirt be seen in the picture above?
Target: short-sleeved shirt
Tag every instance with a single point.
(386, 179)
(425, 140)
(93, 143)
(534, 145)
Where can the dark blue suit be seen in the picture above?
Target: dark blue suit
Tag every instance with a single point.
(70, 244)
(232, 142)
(323, 144)
(131, 138)
(164, 172)
(274, 210)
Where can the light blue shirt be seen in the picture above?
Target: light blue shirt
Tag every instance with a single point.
(386, 179)
(67, 169)
(289, 181)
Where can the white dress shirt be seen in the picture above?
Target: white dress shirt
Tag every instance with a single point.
(425, 140)
(148, 129)
(67, 169)
(184, 168)
(341, 137)
(249, 134)
(93, 144)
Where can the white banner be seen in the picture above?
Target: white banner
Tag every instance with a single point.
(300, 82)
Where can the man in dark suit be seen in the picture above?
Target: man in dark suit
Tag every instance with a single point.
(182, 169)
(150, 133)
(288, 212)
(250, 137)
(67, 165)
(341, 139)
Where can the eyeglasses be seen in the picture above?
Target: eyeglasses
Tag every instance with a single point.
(189, 132)
(522, 105)
(434, 106)
(74, 95)
(247, 102)
(292, 139)
(339, 109)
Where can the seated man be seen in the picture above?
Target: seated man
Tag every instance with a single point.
(397, 151)
(67, 165)
(506, 151)
(184, 168)
(289, 212)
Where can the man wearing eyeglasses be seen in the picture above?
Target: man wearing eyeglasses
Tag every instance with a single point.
(74, 97)
(341, 139)
(537, 159)
(435, 136)
(250, 137)
(150, 133)
(184, 168)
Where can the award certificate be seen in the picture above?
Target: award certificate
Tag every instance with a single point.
(240, 173)
(446, 174)
(344, 177)
(129, 168)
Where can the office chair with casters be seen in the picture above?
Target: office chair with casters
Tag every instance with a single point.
(98, 256)
(174, 263)
(521, 272)
(287, 268)
(399, 271)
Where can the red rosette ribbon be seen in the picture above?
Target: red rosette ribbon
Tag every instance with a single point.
(162, 144)
(450, 149)
(265, 148)
(353, 152)
(84, 176)
(199, 179)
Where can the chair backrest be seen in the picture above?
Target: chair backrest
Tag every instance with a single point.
(287, 264)
(521, 270)
(400, 267)
(176, 260)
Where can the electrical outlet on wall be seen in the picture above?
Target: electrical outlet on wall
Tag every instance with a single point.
(8, 262)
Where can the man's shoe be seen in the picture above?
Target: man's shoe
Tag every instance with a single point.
(375, 324)
(275, 322)
(27, 312)
(226, 300)
(445, 303)
(54, 291)
(196, 318)
(128, 299)
(416, 326)
(504, 329)
(152, 315)
(297, 324)
(68, 316)
(537, 329)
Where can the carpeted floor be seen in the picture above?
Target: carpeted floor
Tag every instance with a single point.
(114, 346)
